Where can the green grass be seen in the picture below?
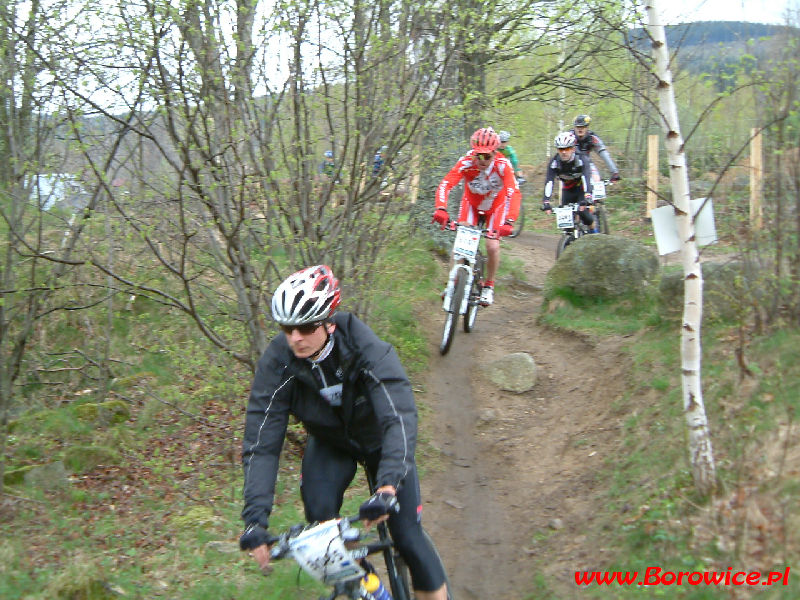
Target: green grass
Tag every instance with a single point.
(652, 512)
(599, 317)
(151, 521)
(136, 527)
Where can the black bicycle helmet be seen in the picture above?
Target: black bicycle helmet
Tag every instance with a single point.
(582, 120)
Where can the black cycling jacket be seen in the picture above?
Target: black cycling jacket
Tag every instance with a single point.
(377, 413)
(572, 173)
(591, 141)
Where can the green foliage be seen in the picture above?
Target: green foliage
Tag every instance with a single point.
(406, 266)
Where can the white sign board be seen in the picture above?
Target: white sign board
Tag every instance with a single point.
(665, 226)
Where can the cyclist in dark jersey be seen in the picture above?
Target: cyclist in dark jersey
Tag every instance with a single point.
(589, 141)
(351, 393)
(571, 167)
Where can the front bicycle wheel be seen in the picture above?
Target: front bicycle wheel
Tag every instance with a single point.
(398, 575)
(474, 295)
(403, 577)
(565, 241)
(451, 319)
(519, 223)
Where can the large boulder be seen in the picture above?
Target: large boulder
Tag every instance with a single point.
(48, 477)
(109, 412)
(602, 266)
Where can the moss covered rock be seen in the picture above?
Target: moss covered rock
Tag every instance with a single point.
(109, 412)
(602, 267)
(16, 476)
(84, 458)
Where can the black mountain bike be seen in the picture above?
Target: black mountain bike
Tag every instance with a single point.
(570, 224)
(599, 189)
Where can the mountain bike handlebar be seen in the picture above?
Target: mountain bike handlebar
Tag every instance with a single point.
(452, 225)
(282, 547)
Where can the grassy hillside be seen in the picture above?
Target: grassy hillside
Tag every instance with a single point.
(137, 495)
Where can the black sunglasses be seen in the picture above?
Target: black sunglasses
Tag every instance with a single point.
(483, 155)
(304, 329)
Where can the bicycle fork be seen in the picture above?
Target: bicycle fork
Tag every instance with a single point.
(451, 282)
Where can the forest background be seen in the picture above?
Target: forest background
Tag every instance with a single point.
(161, 176)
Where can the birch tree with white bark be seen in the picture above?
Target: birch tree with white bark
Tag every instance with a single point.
(700, 451)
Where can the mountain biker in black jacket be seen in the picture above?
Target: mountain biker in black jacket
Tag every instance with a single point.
(571, 167)
(352, 394)
(588, 140)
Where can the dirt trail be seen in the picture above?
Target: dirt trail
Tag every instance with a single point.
(519, 486)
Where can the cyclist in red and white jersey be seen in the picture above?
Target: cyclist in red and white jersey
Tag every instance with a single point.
(490, 190)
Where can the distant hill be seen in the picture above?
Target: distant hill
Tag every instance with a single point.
(711, 32)
(716, 46)
(718, 32)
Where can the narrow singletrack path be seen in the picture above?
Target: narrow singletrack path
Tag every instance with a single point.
(519, 480)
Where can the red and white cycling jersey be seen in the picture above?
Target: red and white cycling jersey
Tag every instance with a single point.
(493, 191)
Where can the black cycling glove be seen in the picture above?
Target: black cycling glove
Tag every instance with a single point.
(378, 505)
(255, 535)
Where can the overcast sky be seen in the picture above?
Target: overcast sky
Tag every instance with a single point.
(754, 11)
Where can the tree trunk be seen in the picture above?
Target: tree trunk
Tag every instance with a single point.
(701, 455)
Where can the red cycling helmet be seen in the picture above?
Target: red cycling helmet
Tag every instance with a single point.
(485, 140)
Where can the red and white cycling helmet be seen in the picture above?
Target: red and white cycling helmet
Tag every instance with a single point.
(307, 296)
(485, 140)
(565, 139)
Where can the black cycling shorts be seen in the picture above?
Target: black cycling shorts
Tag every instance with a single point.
(575, 194)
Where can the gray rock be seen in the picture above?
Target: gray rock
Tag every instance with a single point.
(51, 476)
(514, 372)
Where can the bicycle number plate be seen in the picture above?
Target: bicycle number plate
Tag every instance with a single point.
(467, 241)
(564, 218)
(320, 552)
(598, 189)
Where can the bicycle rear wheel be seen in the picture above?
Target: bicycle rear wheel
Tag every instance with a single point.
(602, 218)
(398, 575)
(519, 223)
(451, 319)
